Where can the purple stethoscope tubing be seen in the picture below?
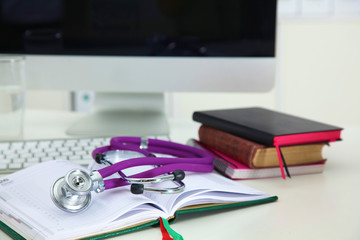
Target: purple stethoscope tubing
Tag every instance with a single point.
(187, 158)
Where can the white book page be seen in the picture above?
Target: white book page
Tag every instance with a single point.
(26, 195)
(203, 188)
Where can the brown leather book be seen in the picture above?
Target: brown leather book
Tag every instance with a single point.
(256, 155)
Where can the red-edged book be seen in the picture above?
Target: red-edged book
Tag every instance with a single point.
(269, 127)
(237, 170)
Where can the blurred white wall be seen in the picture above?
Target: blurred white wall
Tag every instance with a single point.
(55, 100)
(318, 74)
(320, 69)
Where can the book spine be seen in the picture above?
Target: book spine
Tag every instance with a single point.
(235, 147)
(234, 129)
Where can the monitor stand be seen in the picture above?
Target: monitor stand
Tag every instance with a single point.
(124, 114)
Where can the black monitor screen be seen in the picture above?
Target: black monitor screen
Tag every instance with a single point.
(224, 28)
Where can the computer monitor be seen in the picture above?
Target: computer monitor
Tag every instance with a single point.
(130, 52)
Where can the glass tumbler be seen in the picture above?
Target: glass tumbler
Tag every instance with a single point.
(12, 97)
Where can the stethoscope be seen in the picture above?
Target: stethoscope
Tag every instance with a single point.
(72, 193)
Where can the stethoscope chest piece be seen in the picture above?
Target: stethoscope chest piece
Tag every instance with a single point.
(133, 161)
(72, 192)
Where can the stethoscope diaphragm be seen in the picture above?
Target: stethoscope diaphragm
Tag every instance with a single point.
(72, 192)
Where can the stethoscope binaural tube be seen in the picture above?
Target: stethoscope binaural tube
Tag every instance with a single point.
(188, 158)
(166, 165)
(150, 146)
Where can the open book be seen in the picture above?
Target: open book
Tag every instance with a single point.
(27, 209)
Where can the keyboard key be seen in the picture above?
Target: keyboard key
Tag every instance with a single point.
(76, 149)
(16, 145)
(5, 161)
(3, 166)
(53, 154)
(12, 156)
(15, 165)
(6, 153)
(44, 144)
(36, 150)
(58, 143)
(69, 153)
(50, 149)
(98, 142)
(89, 149)
(44, 159)
(33, 160)
(29, 145)
(81, 153)
(18, 160)
(25, 165)
(83, 143)
(70, 143)
(22, 151)
(26, 155)
(63, 149)
(4, 146)
(40, 154)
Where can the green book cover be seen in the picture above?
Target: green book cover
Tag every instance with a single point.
(187, 210)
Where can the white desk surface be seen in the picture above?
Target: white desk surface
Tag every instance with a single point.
(319, 206)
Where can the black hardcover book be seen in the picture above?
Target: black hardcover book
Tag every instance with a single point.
(265, 126)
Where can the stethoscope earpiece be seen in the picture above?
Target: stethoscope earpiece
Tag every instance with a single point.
(137, 188)
(99, 157)
(178, 175)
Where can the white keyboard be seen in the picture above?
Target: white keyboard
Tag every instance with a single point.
(21, 154)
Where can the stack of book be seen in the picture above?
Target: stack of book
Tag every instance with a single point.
(258, 143)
